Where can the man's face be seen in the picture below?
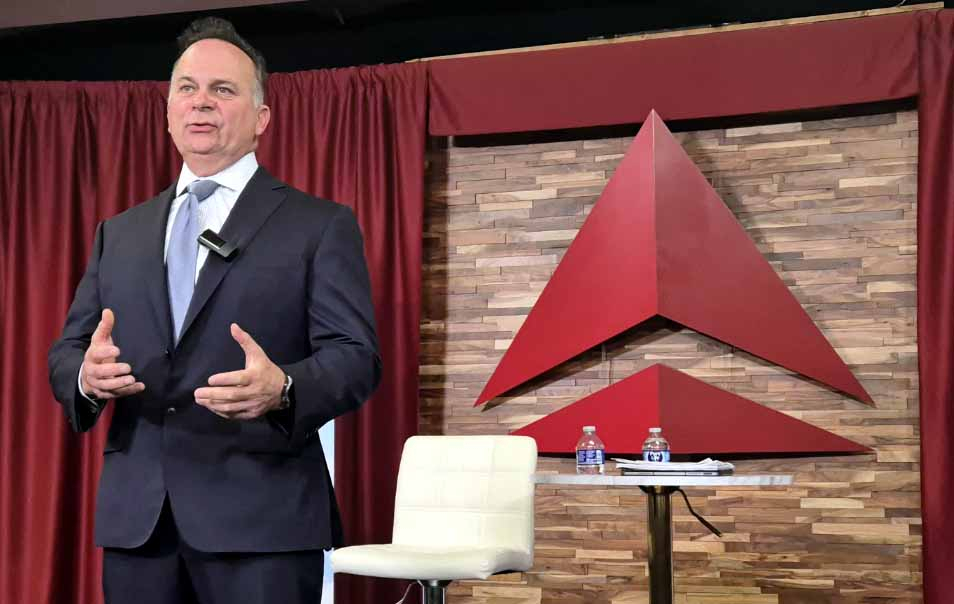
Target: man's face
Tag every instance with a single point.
(211, 112)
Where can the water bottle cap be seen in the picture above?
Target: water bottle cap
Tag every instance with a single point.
(589, 429)
(655, 430)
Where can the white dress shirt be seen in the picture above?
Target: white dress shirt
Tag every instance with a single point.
(213, 211)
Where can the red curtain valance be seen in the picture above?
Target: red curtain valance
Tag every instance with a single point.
(733, 73)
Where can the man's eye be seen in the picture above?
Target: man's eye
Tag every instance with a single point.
(186, 88)
(224, 90)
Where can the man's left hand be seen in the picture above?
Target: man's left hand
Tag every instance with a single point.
(247, 393)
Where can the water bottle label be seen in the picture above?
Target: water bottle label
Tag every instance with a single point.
(589, 457)
(656, 456)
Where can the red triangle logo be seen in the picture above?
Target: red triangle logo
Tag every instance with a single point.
(660, 242)
(695, 417)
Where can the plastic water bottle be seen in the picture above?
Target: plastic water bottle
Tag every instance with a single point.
(655, 448)
(590, 452)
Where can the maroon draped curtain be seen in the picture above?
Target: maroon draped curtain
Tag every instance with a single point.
(72, 154)
(936, 300)
(757, 71)
(357, 136)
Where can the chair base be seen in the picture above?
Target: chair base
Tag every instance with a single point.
(434, 591)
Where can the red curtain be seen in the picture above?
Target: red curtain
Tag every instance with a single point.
(72, 154)
(936, 300)
(757, 71)
(357, 136)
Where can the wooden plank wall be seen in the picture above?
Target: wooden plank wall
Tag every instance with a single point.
(831, 204)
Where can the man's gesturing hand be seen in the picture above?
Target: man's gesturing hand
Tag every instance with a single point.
(247, 393)
(102, 375)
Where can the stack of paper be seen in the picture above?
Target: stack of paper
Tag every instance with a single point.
(706, 467)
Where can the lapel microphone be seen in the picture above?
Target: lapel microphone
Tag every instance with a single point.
(217, 245)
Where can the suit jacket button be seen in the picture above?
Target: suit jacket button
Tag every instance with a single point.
(170, 410)
(166, 353)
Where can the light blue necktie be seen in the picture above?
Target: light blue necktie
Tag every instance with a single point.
(183, 250)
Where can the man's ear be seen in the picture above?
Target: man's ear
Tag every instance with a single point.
(262, 119)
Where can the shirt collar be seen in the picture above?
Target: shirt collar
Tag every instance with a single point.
(235, 177)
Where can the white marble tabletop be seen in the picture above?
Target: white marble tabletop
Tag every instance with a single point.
(729, 480)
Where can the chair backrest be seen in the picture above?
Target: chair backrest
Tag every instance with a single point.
(470, 491)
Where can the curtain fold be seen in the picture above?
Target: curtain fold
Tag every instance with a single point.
(72, 154)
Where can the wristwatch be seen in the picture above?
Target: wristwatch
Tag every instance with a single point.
(286, 399)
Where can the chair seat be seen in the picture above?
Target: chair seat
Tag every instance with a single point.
(427, 563)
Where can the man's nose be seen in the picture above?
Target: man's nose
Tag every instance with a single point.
(202, 101)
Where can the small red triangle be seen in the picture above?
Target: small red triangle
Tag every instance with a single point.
(661, 242)
(695, 417)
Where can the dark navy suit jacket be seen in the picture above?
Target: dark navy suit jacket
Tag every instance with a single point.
(299, 285)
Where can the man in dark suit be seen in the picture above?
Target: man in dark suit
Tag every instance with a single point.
(221, 367)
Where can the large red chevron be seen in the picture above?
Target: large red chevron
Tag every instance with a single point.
(660, 241)
(695, 418)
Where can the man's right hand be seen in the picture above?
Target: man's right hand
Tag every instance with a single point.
(102, 376)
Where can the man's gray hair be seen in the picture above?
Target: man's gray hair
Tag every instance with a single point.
(220, 29)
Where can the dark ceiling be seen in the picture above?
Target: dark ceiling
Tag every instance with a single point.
(323, 33)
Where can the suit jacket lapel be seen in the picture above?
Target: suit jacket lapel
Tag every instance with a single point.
(157, 286)
(262, 196)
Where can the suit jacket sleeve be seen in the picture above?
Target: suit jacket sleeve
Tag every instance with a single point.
(66, 354)
(344, 367)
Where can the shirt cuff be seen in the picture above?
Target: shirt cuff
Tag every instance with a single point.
(95, 404)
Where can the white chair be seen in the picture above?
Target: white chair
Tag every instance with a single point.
(463, 510)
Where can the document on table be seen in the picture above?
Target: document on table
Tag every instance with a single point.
(706, 467)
